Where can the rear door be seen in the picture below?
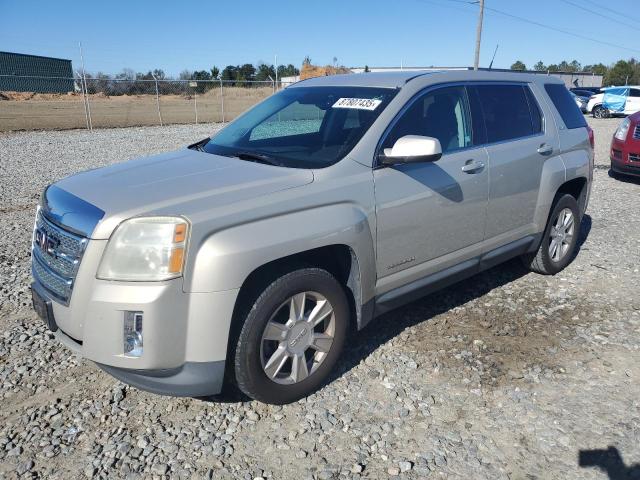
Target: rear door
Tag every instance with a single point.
(517, 145)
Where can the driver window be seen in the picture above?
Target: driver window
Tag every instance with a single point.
(442, 114)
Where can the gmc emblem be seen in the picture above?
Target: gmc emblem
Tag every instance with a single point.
(46, 243)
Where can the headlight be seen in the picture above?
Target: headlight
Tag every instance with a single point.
(621, 132)
(145, 249)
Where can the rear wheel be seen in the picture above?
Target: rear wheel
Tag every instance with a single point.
(600, 112)
(559, 238)
(292, 337)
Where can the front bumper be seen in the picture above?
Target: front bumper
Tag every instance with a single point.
(189, 380)
(625, 169)
(624, 155)
(185, 335)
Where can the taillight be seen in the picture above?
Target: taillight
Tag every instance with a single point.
(592, 139)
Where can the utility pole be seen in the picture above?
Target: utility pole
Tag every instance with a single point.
(479, 35)
(275, 67)
(84, 80)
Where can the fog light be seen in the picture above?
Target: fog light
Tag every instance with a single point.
(132, 334)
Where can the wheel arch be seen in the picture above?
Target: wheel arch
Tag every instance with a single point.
(340, 260)
(578, 189)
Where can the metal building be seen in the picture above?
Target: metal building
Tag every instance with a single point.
(32, 73)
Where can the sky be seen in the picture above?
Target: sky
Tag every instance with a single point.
(195, 35)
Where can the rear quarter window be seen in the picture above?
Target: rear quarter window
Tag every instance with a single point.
(565, 105)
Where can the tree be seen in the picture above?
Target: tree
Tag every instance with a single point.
(307, 60)
(623, 73)
(215, 72)
(575, 66)
(185, 75)
(246, 72)
(228, 73)
(540, 66)
(598, 69)
(366, 69)
(204, 76)
(126, 74)
(265, 72)
(518, 66)
(287, 71)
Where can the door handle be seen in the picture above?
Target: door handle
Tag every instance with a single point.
(472, 166)
(545, 149)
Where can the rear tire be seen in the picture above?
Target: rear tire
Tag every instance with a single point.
(600, 112)
(292, 337)
(559, 239)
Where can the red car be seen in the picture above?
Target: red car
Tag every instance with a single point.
(625, 147)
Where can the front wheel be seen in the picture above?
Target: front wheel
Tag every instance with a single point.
(559, 238)
(292, 337)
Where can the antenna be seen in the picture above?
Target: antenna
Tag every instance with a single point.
(494, 56)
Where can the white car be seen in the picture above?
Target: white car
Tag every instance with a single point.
(632, 104)
(581, 102)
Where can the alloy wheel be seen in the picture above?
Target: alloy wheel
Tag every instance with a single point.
(561, 235)
(297, 338)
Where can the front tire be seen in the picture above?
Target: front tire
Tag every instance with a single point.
(559, 239)
(292, 337)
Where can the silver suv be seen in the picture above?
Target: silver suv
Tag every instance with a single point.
(248, 256)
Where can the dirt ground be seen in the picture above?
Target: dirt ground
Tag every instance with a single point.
(28, 111)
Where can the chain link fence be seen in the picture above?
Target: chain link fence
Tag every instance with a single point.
(112, 102)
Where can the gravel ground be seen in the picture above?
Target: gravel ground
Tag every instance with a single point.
(507, 375)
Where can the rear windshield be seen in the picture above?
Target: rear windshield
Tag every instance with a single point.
(566, 105)
(303, 127)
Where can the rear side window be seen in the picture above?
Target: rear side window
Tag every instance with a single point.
(506, 112)
(634, 93)
(534, 108)
(566, 106)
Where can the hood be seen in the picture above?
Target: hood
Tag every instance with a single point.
(162, 184)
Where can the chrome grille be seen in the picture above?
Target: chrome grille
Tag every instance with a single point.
(56, 256)
(634, 157)
(56, 284)
(636, 132)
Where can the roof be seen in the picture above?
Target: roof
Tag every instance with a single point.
(36, 56)
(537, 72)
(398, 79)
(371, 79)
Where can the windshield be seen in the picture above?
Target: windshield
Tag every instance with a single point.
(302, 127)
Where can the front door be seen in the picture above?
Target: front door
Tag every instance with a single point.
(633, 101)
(431, 215)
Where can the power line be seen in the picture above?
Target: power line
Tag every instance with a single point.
(619, 22)
(550, 27)
(610, 10)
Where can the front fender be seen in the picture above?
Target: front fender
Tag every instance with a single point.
(227, 257)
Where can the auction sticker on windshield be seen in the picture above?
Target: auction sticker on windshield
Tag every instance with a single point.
(359, 103)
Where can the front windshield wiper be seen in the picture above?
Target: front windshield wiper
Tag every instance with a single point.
(256, 157)
(199, 145)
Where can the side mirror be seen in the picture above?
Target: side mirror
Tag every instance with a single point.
(412, 149)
